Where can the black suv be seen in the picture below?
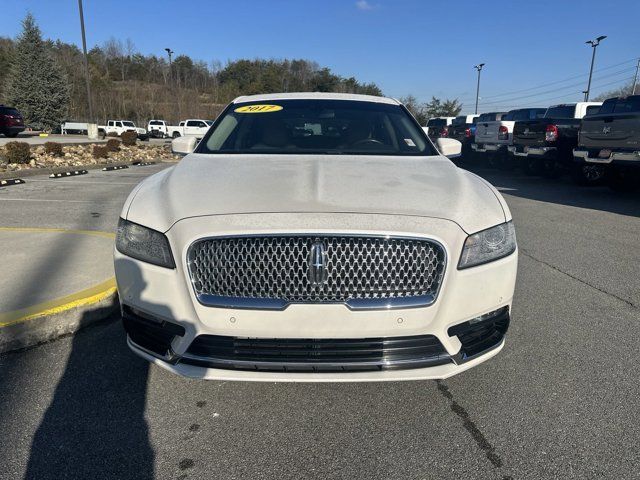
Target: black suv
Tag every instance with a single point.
(11, 122)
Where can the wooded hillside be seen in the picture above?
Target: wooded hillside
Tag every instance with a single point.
(128, 84)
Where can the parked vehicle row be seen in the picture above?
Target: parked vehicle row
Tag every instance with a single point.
(496, 136)
(120, 126)
(155, 128)
(546, 144)
(592, 141)
(192, 126)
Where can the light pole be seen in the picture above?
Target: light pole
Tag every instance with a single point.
(169, 52)
(594, 44)
(86, 63)
(635, 78)
(479, 68)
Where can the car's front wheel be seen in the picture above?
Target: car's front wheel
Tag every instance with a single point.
(176, 134)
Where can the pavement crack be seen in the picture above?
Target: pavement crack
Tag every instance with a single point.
(482, 442)
(612, 295)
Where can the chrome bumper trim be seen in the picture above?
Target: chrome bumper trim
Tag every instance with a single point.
(623, 156)
(258, 365)
(352, 304)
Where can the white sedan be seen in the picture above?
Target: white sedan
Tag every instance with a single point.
(316, 237)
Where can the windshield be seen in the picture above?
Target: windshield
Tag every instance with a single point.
(490, 117)
(128, 124)
(561, 111)
(316, 126)
(437, 122)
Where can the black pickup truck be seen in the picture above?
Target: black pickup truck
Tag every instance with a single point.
(545, 145)
(463, 129)
(610, 141)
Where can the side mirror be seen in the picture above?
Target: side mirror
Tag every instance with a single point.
(426, 130)
(184, 145)
(449, 147)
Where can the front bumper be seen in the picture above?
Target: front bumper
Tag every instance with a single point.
(628, 158)
(167, 295)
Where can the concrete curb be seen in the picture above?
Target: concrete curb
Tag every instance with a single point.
(49, 324)
(11, 181)
(30, 172)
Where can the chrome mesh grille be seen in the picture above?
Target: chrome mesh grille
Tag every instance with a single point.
(277, 267)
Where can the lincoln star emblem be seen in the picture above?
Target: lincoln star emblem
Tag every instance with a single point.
(606, 129)
(318, 264)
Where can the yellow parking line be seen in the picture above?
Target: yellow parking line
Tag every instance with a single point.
(96, 233)
(84, 297)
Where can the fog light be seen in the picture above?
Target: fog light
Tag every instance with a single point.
(480, 334)
(481, 318)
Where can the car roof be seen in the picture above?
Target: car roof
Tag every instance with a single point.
(315, 96)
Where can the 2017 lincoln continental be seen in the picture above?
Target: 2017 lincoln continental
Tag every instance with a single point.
(316, 237)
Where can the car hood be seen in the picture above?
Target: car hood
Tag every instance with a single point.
(203, 185)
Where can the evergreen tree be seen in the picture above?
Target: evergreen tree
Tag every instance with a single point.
(36, 84)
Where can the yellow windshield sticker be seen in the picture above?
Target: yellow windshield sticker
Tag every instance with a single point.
(258, 109)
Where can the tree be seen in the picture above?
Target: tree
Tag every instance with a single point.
(416, 109)
(435, 108)
(451, 108)
(438, 108)
(618, 92)
(36, 85)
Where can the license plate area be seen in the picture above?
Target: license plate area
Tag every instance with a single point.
(605, 153)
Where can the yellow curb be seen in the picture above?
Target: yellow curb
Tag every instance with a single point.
(85, 297)
(96, 233)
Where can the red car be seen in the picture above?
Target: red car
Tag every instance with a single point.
(11, 122)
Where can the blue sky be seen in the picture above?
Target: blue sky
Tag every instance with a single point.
(405, 46)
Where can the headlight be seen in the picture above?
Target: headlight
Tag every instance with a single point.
(144, 244)
(488, 245)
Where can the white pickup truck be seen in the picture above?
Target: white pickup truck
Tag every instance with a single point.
(158, 128)
(192, 126)
(493, 138)
(120, 126)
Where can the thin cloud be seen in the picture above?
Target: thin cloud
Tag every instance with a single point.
(364, 5)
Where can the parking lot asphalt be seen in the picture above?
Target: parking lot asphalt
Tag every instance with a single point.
(560, 401)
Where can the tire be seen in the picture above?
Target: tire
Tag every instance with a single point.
(11, 135)
(531, 166)
(588, 175)
(176, 134)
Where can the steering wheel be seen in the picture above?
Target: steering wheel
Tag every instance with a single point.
(367, 141)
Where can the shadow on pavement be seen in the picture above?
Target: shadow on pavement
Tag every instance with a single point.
(560, 191)
(95, 425)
